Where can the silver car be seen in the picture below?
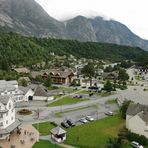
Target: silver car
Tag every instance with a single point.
(83, 120)
(89, 118)
(136, 144)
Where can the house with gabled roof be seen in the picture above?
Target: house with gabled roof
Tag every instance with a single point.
(21, 70)
(137, 119)
(8, 123)
(41, 94)
(36, 93)
(60, 77)
(58, 134)
(10, 88)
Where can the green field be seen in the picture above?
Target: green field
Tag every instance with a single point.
(94, 134)
(102, 94)
(45, 144)
(68, 89)
(44, 128)
(113, 101)
(67, 100)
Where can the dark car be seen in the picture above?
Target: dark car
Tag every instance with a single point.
(70, 122)
(65, 125)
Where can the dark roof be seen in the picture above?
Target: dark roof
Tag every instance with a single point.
(144, 116)
(134, 108)
(59, 73)
(108, 74)
(138, 109)
(39, 91)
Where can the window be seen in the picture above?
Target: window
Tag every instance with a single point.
(11, 118)
(7, 122)
(7, 114)
(1, 123)
(1, 115)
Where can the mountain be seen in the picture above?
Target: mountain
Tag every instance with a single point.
(29, 18)
(100, 30)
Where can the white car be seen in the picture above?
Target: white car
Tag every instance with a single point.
(89, 118)
(109, 113)
(136, 144)
(83, 120)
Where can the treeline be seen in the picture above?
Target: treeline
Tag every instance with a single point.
(19, 50)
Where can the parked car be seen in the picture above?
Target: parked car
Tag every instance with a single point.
(89, 118)
(70, 122)
(109, 113)
(83, 120)
(65, 125)
(91, 94)
(136, 144)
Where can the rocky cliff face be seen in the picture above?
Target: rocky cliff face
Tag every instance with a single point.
(100, 30)
(28, 18)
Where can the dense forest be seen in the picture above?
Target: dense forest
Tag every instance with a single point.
(19, 50)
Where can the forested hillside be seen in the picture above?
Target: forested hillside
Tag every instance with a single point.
(19, 50)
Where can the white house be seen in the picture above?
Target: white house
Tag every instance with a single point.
(8, 123)
(10, 88)
(137, 119)
(36, 93)
(41, 95)
(58, 134)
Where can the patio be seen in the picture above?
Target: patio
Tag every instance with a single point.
(28, 136)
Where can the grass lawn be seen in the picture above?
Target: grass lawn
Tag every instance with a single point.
(94, 134)
(45, 144)
(44, 128)
(66, 89)
(66, 100)
(102, 94)
(113, 101)
(137, 77)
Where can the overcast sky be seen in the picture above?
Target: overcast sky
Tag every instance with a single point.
(132, 13)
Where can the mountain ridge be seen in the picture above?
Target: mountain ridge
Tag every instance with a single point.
(28, 18)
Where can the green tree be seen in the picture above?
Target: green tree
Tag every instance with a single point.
(123, 75)
(108, 86)
(108, 69)
(39, 79)
(124, 108)
(24, 82)
(47, 82)
(88, 71)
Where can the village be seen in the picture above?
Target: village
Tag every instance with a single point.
(61, 102)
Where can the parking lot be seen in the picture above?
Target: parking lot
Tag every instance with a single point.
(96, 112)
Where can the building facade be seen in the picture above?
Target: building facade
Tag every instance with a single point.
(8, 123)
(137, 119)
